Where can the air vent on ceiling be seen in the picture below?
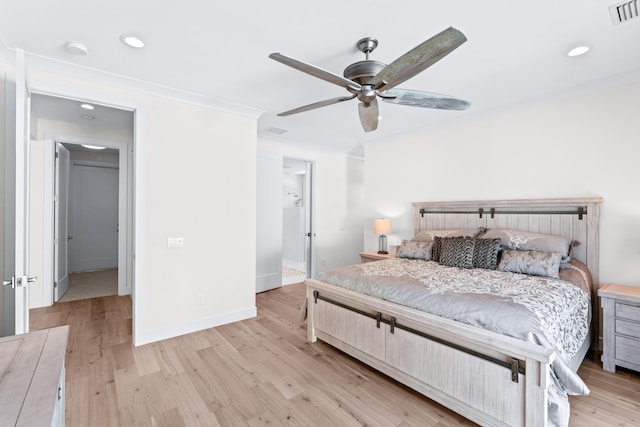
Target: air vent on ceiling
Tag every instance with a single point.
(625, 11)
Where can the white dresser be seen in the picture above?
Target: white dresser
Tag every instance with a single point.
(621, 326)
(32, 375)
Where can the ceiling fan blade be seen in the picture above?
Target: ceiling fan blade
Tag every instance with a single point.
(418, 59)
(369, 115)
(316, 105)
(415, 98)
(315, 71)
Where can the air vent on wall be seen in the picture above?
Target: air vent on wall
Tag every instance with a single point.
(625, 11)
(277, 131)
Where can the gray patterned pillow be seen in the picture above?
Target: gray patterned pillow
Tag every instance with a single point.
(534, 263)
(414, 250)
(457, 252)
(430, 235)
(528, 241)
(485, 253)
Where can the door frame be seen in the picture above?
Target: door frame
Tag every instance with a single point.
(49, 213)
(310, 211)
(99, 95)
(16, 257)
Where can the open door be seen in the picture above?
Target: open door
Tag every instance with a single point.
(17, 182)
(308, 222)
(61, 233)
(269, 221)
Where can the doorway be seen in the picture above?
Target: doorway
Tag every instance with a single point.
(86, 222)
(297, 233)
(98, 190)
(285, 230)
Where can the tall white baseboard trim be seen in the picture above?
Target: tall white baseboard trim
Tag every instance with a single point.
(187, 328)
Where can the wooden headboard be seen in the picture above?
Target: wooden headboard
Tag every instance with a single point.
(573, 218)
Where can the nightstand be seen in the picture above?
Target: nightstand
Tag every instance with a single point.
(374, 256)
(621, 327)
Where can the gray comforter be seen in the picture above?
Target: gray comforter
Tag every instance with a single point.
(550, 312)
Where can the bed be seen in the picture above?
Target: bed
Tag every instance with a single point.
(500, 353)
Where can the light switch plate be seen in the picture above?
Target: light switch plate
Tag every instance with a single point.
(175, 242)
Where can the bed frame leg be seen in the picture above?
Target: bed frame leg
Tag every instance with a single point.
(311, 330)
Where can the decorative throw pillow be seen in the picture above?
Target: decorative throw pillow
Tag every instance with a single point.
(485, 253)
(534, 263)
(414, 250)
(457, 252)
(430, 235)
(436, 249)
(527, 241)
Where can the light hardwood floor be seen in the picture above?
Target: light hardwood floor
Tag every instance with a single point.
(259, 372)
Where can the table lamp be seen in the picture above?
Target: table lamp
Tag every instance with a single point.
(382, 227)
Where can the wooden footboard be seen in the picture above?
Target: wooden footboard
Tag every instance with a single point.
(488, 378)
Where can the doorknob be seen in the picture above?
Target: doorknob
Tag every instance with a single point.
(20, 281)
(69, 237)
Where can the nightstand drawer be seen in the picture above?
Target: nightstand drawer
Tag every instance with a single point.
(631, 329)
(628, 349)
(625, 311)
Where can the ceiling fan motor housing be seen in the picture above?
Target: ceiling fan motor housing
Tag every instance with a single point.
(363, 71)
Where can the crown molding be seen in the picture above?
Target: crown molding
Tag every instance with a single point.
(42, 63)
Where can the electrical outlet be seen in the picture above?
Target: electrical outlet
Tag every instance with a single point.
(175, 242)
(200, 299)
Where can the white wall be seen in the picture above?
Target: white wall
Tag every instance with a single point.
(584, 145)
(184, 156)
(339, 202)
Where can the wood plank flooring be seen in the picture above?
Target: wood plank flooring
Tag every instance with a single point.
(259, 372)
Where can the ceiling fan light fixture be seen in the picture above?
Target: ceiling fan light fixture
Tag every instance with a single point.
(578, 50)
(132, 41)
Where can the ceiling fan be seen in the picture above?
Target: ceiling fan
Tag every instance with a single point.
(370, 79)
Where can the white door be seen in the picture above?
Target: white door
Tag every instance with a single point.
(268, 221)
(308, 221)
(94, 218)
(61, 234)
(16, 230)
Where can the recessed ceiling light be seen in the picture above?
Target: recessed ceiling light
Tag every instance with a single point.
(93, 147)
(577, 51)
(132, 41)
(77, 48)
(88, 117)
(87, 106)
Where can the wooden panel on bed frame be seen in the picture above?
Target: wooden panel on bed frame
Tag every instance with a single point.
(489, 378)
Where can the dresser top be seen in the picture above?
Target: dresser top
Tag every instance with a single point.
(620, 292)
(30, 367)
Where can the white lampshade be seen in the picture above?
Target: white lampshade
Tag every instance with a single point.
(382, 226)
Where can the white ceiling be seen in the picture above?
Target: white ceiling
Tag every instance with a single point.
(515, 53)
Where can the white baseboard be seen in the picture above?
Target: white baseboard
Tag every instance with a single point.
(187, 328)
